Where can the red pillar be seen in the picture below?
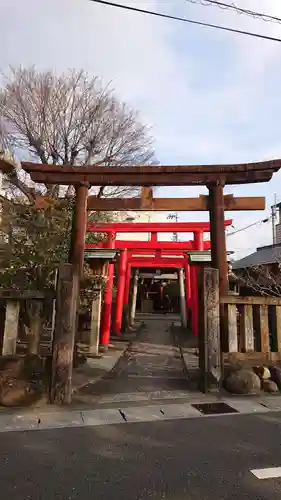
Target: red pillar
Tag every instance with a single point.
(187, 285)
(120, 291)
(107, 298)
(198, 240)
(153, 237)
(198, 245)
(127, 285)
(194, 299)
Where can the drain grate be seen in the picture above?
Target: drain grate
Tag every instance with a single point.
(214, 408)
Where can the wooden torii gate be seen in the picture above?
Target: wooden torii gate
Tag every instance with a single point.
(215, 177)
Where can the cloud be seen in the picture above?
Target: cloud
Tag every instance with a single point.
(210, 96)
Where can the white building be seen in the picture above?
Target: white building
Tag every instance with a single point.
(142, 217)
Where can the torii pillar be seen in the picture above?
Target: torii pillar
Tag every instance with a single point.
(198, 245)
(217, 230)
(122, 269)
(187, 286)
(218, 248)
(127, 285)
(182, 298)
(79, 226)
(107, 298)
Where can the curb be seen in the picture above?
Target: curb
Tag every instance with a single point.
(129, 414)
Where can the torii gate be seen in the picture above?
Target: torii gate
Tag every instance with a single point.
(127, 261)
(124, 274)
(215, 177)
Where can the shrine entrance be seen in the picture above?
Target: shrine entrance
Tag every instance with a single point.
(158, 291)
(157, 255)
(215, 177)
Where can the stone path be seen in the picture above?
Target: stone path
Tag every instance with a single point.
(151, 368)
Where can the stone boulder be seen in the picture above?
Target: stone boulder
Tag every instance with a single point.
(242, 381)
(19, 393)
(269, 386)
(22, 380)
(275, 375)
(10, 366)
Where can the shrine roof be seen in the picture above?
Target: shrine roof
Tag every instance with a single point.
(270, 254)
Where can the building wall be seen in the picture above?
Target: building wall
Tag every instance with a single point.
(143, 217)
(278, 233)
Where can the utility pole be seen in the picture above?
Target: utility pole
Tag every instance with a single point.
(175, 218)
(273, 218)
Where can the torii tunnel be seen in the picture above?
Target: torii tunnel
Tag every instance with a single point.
(152, 254)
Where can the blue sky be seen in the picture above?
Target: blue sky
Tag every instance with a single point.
(209, 96)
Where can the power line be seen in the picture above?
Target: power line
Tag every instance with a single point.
(238, 10)
(250, 225)
(185, 20)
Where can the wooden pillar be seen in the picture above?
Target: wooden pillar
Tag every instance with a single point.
(79, 226)
(77, 244)
(153, 237)
(35, 312)
(209, 338)
(182, 298)
(107, 299)
(127, 285)
(64, 334)
(198, 240)
(194, 300)
(217, 230)
(187, 285)
(134, 297)
(11, 327)
(120, 291)
(126, 309)
(95, 323)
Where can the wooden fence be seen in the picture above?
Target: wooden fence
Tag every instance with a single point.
(253, 327)
(32, 332)
(244, 328)
(13, 306)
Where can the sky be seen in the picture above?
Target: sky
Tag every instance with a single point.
(209, 96)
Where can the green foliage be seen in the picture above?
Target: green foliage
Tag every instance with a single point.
(35, 242)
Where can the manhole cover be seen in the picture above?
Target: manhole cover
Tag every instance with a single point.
(214, 408)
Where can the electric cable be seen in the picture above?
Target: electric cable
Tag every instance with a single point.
(186, 20)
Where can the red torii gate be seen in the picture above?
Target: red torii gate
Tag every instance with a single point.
(159, 259)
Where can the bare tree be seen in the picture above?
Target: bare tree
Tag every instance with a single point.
(68, 119)
(262, 279)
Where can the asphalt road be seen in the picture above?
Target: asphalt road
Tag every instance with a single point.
(194, 459)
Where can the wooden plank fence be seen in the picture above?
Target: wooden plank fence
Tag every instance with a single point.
(253, 327)
(15, 338)
(11, 302)
(247, 328)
